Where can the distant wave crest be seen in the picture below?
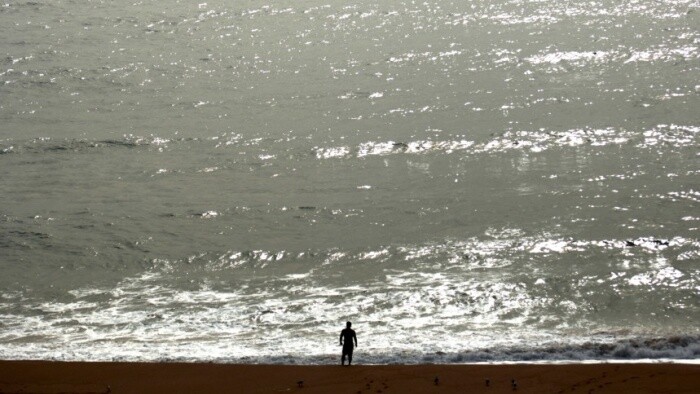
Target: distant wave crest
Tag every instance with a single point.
(49, 145)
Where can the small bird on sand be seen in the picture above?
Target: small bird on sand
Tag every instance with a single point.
(488, 382)
(300, 383)
(437, 381)
(514, 384)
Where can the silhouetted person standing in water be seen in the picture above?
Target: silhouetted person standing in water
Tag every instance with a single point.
(347, 336)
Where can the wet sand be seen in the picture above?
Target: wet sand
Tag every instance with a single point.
(98, 377)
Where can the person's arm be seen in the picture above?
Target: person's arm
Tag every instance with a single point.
(341, 338)
(354, 336)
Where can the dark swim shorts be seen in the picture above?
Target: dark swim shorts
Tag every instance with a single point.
(347, 349)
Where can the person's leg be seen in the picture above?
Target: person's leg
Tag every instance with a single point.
(350, 358)
(342, 359)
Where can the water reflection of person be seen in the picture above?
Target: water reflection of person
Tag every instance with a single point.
(347, 336)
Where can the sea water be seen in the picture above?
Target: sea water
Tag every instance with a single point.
(465, 181)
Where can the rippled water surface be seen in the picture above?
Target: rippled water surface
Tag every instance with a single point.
(465, 181)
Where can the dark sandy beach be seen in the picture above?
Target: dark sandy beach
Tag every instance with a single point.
(105, 377)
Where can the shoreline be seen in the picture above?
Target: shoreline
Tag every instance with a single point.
(26, 376)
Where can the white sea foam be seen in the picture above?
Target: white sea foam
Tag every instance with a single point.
(455, 315)
(573, 57)
(209, 214)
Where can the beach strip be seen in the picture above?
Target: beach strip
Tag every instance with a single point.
(131, 377)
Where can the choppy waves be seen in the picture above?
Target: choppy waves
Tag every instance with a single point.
(501, 297)
(667, 136)
(467, 182)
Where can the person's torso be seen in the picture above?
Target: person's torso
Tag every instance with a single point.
(348, 335)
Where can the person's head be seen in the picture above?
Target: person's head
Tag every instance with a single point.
(348, 324)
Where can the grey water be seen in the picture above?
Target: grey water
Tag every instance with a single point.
(465, 181)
